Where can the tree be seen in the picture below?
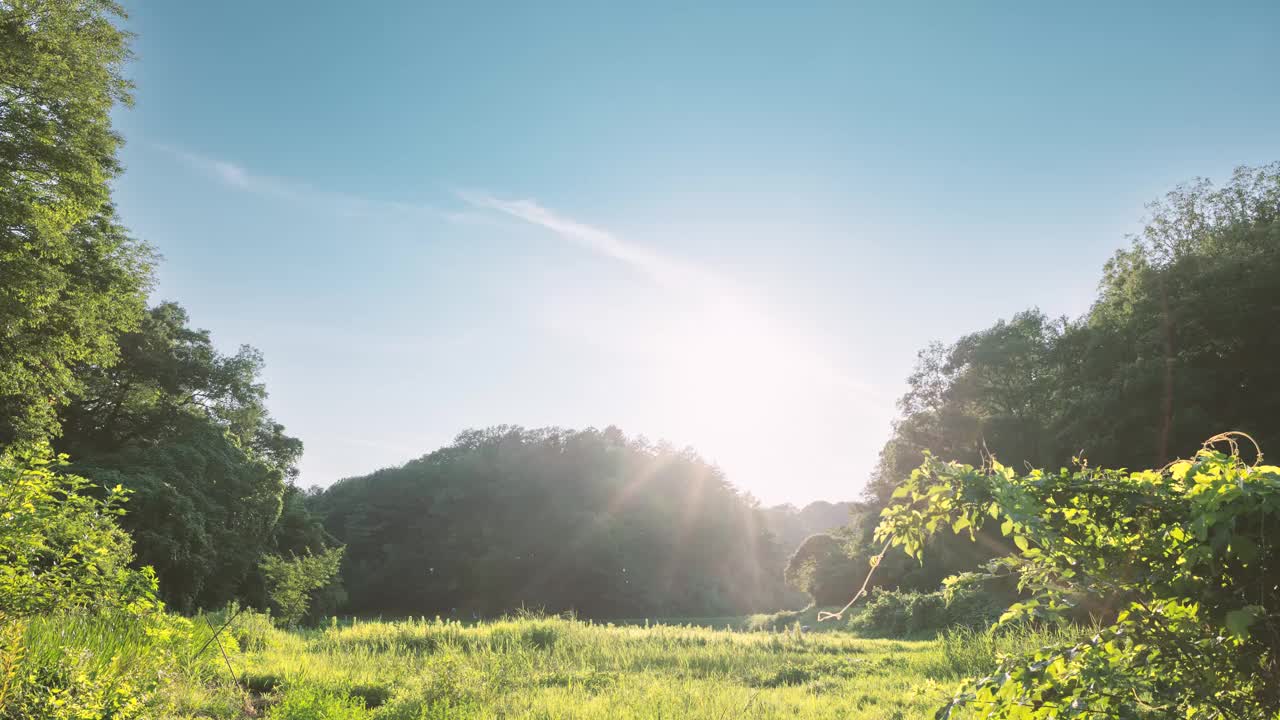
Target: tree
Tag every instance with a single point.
(1169, 353)
(169, 372)
(291, 582)
(73, 278)
(561, 520)
(992, 389)
(203, 510)
(187, 430)
(791, 526)
(823, 568)
(1172, 350)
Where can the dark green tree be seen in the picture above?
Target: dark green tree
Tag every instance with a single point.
(823, 568)
(589, 521)
(186, 429)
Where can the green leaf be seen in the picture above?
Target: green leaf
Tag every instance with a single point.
(1006, 528)
(1238, 621)
(1244, 548)
(1021, 542)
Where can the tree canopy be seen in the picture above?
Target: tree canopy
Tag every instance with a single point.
(589, 521)
(1173, 350)
(186, 429)
(73, 278)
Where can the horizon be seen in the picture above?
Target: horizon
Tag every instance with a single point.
(730, 231)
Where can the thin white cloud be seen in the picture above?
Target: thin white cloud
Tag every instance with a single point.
(660, 268)
(241, 178)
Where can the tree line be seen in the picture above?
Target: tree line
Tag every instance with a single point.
(1177, 345)
(140, 399)
(590, 521)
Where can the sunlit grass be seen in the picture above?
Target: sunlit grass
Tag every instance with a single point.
(527, 668)
(559, 668)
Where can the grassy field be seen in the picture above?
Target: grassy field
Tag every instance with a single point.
(76, 666)
(558, 668)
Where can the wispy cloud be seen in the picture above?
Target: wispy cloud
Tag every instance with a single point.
(660, 268)
(339, 203)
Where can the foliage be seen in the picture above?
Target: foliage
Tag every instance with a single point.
(73, 279)
(81, 635)
(822, 568)
(1182, 554)
(60, 546)
(313, 704)
(1170, 352)
(169, 373)
(186, 429)
(202, 510)
(909, 613)
(291, 581)
(74, 665)
(587, 521)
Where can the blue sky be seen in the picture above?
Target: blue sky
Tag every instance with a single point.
(729, 226)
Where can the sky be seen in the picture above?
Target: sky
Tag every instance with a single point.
(727, 226)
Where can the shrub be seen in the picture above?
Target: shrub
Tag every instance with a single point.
(291, 582)
(81, 634)
(60, 547)
(823, 568)
(896, 613)
(1187, 551)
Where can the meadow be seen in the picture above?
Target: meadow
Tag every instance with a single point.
(533, 667)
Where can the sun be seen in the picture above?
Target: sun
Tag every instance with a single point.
(731, 367)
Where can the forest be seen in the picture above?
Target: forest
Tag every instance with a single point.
(148, 498)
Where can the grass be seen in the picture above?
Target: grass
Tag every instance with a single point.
(549, 667)
(556, 668)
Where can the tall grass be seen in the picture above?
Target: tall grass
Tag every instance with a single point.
(973, 652)
(89, 665)
(559, 668)
(519, 668)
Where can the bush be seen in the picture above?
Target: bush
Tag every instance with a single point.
(73, 665)
(60, 547)
(895, 613)
(1187, 551)
(291, 582)
(251, 630)
(824, 568)
(81, 634)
